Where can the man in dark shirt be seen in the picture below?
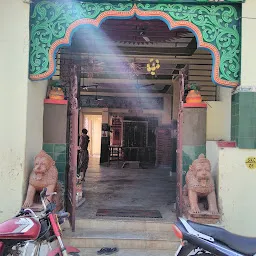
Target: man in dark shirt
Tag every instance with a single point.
(83, 154)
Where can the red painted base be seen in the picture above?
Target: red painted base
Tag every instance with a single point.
(59, 102)
(195, 105)
(226, 144)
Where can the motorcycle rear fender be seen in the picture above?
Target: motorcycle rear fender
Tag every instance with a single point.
(186, 249)
(57, 251)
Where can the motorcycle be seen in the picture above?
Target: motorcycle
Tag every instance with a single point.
(205, 240)
(26, 227)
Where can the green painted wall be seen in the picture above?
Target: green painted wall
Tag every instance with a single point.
(243, 121)
(189, 154)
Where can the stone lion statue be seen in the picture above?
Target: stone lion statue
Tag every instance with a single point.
(44, 175)
(200, 185)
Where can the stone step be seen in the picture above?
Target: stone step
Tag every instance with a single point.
(129, 252)
(121, 225)
(91, 238)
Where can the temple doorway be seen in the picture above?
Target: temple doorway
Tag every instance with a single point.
(129, 75)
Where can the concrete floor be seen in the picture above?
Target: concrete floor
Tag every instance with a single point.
(112, 187)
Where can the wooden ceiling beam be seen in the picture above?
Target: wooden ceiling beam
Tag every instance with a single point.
(124, 82)
(142, 51)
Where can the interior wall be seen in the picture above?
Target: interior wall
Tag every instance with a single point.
(176, 98)
(14, 51)
(93, 124)
(164, 115)
(167, 113)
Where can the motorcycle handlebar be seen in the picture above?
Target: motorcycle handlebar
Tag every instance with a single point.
(43, 195)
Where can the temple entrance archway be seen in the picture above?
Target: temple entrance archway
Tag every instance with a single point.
(216, 27)
(221, 38)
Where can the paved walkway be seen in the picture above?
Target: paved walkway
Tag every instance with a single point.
(112, 187)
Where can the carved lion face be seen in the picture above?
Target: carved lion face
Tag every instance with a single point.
(203, 171)
(41, 165)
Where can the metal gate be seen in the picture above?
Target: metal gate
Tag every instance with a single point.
(73, 145)
(179, 147)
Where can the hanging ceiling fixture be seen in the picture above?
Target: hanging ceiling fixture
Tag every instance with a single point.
(153, 66)
(96, 95)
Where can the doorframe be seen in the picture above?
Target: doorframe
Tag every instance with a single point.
(84, 114)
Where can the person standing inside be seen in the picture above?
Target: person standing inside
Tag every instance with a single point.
(83, 154)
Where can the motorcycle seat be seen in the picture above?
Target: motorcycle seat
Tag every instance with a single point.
(244, 245)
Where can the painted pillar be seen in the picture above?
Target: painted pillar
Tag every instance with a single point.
(105, 136)
(194, 133)
(55, 134)
(243, 124)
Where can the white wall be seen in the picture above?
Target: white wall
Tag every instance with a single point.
(21, 124)
(248, 77)
(34, 134)
(237, 191)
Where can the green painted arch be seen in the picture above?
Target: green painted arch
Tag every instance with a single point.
(217, 25)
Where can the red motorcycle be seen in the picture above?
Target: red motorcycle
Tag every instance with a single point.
(19, 232)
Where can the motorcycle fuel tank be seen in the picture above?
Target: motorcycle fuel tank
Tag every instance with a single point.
(20, 228)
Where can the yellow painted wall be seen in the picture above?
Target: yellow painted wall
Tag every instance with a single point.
(219, 117)
(14, 48)
(17, 143)
(237, 190)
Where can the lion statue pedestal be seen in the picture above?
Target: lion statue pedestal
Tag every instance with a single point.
(199, 198)
(43, 175)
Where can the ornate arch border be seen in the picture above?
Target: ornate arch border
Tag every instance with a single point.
(142, 14)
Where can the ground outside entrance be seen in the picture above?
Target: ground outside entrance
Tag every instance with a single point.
(126, 190)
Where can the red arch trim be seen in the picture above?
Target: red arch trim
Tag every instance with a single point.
(173, 24)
